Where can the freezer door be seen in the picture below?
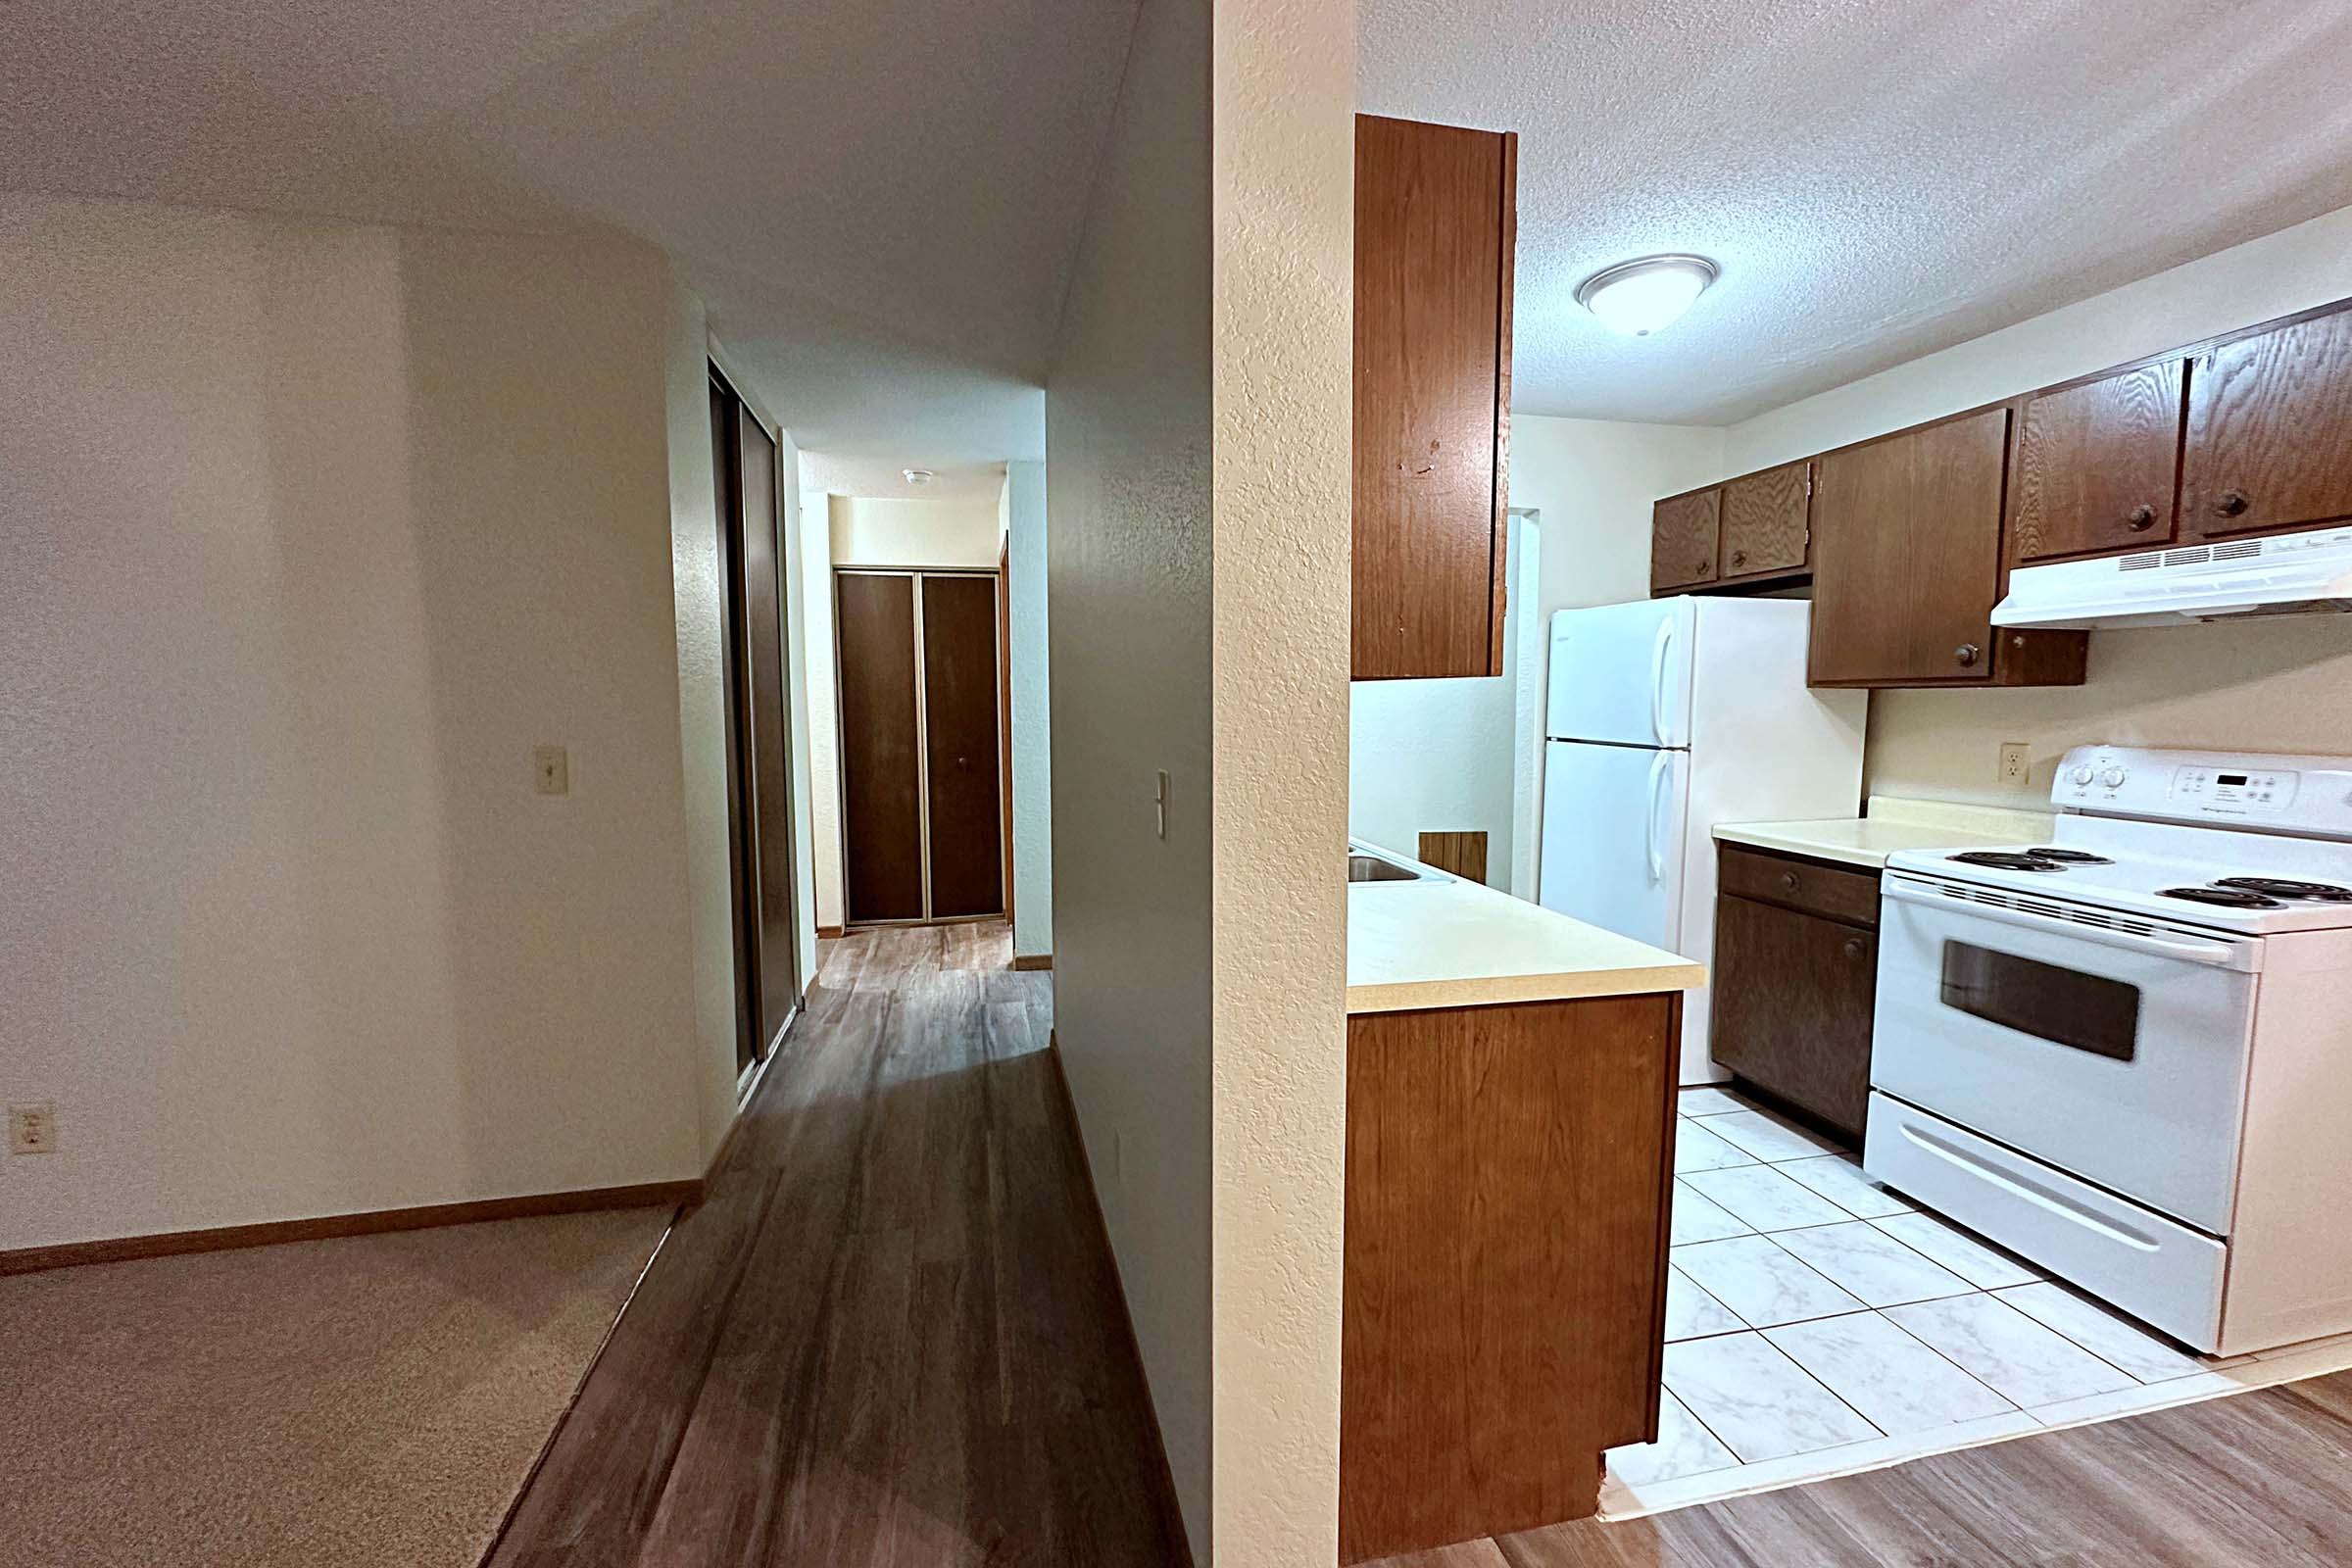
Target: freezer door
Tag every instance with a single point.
(1613, 838)
(1622, 673)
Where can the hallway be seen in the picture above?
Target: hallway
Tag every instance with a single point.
(892, 1333)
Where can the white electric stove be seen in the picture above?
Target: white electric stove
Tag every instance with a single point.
(2123, 1053)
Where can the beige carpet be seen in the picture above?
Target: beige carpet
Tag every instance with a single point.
(373, 1400)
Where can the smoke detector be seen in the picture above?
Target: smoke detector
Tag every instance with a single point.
(918, 475)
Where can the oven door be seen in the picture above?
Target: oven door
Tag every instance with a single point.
(2114, 1051)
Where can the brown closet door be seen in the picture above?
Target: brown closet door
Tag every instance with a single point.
(881, 789)
(772, 767)
(742, 883)
(959, 715)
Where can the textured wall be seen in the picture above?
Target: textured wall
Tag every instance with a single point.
(1032, 712)
(702, 710)
(2279, 685)
(312, 531)
(824, 714)
(1129, 490)
(1284, 181)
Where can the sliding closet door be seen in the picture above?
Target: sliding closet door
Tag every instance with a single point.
(770, 748)
(881, 777)
(742, 879)
(959, 725)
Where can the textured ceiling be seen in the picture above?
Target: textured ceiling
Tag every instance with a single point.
(1879, 178)
(877, 198)
(884, 479)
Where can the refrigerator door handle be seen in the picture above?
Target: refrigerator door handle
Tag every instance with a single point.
(1649, 822)
(1657, 681)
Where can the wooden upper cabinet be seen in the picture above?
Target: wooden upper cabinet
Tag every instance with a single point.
(2270, 429)
(2097, 463)
(1767, 521)
(1435, 229)
(1906, 555)
(1684, 534)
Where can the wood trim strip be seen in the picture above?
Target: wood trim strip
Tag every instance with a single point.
(1500, 593)
(372, 1222)
(825, 933)
(1673, 1107)
(1033, 960)
(1165, 1473)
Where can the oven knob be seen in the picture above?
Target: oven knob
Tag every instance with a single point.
(2084, 774)
(2112, 778)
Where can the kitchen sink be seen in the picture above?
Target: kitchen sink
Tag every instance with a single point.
(1372, 869)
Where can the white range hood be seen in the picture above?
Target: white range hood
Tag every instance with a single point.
(2285, 574)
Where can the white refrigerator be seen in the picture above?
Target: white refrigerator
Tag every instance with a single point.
(1662, 718)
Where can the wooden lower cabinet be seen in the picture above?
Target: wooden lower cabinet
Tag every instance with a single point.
(1509, 1170)
(1793, 987)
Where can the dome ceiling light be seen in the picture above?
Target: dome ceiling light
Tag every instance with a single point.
(1641, 295)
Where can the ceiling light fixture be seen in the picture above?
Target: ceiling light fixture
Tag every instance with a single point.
(918, 475)
(1641, 295)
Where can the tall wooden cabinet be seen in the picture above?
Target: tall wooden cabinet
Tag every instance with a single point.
(1435, 229)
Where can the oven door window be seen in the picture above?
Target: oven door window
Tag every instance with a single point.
(2065, 1007)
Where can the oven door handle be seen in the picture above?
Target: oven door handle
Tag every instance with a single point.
(2214, 952)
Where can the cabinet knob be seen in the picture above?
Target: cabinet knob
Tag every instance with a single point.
(1967, 653)
(1855, 946)
(2229, 503)
(2140, 518)
(1702, 567)
(1739, 557)
(1788, 881)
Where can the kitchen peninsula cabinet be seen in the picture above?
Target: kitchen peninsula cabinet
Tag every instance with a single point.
(1510, 1115)
(1435, 230)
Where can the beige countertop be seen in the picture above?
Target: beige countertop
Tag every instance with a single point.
(1446, 943)
(1893, 824)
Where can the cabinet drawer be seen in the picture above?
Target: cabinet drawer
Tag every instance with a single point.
(1806, 885)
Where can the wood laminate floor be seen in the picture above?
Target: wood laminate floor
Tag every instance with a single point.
(891, 1334)
(2262, 1478)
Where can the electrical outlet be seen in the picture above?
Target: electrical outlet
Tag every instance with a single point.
(550, 770)
(33, 1129)
(2017, 763)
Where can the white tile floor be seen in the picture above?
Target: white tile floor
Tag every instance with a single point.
(1818, 1324)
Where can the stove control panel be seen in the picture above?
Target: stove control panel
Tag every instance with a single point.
(2304, 795)
(2227, 788)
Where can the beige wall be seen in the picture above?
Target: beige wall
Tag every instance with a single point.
(1594, 482)
(889, 531)
(312, 532)
(823, 714)
(1282, 346)
(1030, 722)
(2281, 685)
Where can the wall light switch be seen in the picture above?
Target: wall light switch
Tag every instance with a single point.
(33, 1129)
(2017, 763)
(550, 770)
